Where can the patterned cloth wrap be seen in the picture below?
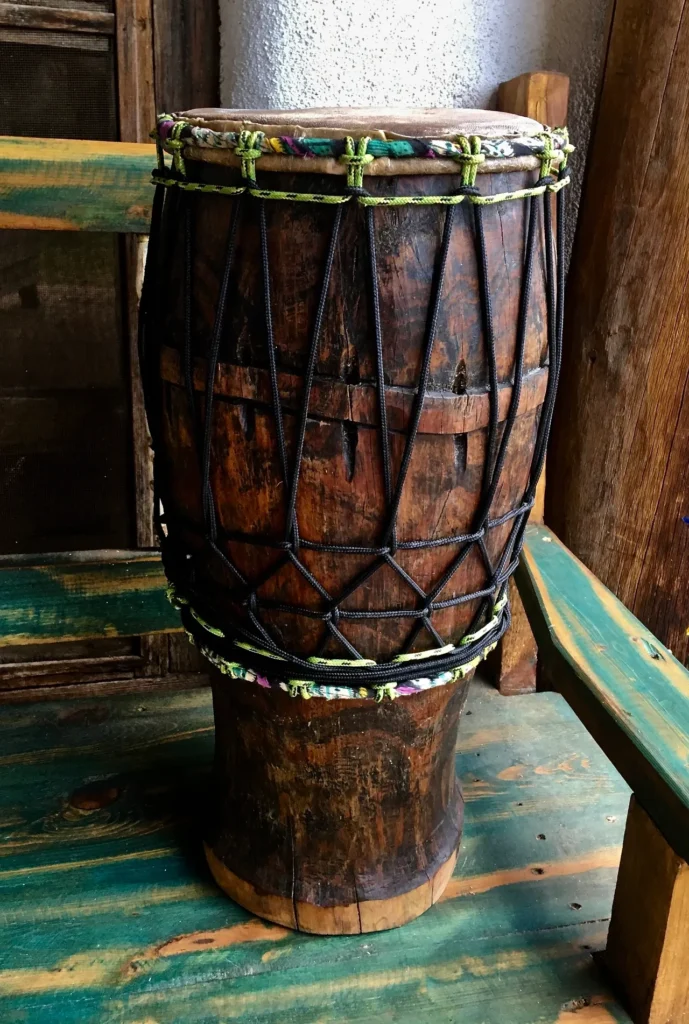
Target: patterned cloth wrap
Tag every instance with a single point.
(288, 145)
(307, 690)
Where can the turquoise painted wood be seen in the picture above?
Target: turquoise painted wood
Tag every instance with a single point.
(79, 599)
(75, 185)
(629, 690)
(109, 913)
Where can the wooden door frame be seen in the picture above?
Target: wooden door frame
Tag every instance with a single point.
(166, 54)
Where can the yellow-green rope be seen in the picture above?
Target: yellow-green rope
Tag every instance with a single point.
(470, 158)
(315, 197)
(304, 687)
(297, 197)
(356, 158)
(197, 186)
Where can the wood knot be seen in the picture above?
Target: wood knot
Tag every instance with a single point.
(94, 796)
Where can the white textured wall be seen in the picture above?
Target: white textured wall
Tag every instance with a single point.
(288, 53)
(292, 53)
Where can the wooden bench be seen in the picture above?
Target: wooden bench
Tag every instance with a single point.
(108, 912)
(633, 697)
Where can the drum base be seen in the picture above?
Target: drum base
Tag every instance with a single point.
(352, 919)
(335, 817)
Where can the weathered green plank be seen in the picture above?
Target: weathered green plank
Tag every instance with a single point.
(109, 913)
(79, 599)
(628, 689)
(74, 185)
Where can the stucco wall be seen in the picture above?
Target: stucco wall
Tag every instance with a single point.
(289, 53)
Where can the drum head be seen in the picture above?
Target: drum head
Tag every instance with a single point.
(376, 122)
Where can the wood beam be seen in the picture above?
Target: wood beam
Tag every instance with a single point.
(73, 185)
(648, 940)
(628, 690)
(543, 95)
(56, 597)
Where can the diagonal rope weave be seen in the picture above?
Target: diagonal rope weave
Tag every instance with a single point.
(224, 642)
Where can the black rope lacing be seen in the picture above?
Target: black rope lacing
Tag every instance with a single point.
(263, 652)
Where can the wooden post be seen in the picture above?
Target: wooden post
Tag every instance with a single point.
(542, 95)
(137, 112)
(618, 457)
(134, 21)
(648, 941)
(161, 66)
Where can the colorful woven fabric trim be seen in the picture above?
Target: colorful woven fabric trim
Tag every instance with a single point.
(545, 144)
(307, 688)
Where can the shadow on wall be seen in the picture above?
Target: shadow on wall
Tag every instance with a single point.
(576, 39)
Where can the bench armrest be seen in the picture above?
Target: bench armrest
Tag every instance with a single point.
(73, 185)
(626, 687)
(46, 598)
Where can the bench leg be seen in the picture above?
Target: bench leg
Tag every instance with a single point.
(512, 667)
(648, 941)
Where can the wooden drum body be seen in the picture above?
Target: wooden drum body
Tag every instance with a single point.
(348, 344)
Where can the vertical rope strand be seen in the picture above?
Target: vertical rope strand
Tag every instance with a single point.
(431, 328)
(211, 372)
(187, 354)
(309, 375)
(272, 365)
(553, 348)
(380, 369)
(489, 340)
(555, 311)
(522, 327)
(207, 499)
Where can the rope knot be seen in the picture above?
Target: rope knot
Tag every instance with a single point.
(470, 157)
(333, 616)
(356, 160)
(174, 597)
(176, 144)
(565, 149)
(385, 690)
(248, 149)
(548, 154)
(300, 688)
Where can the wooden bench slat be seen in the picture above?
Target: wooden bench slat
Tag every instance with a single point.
(627, 688)
(82, 600)
(72, 185)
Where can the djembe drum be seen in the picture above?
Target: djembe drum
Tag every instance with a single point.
(350, 344)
